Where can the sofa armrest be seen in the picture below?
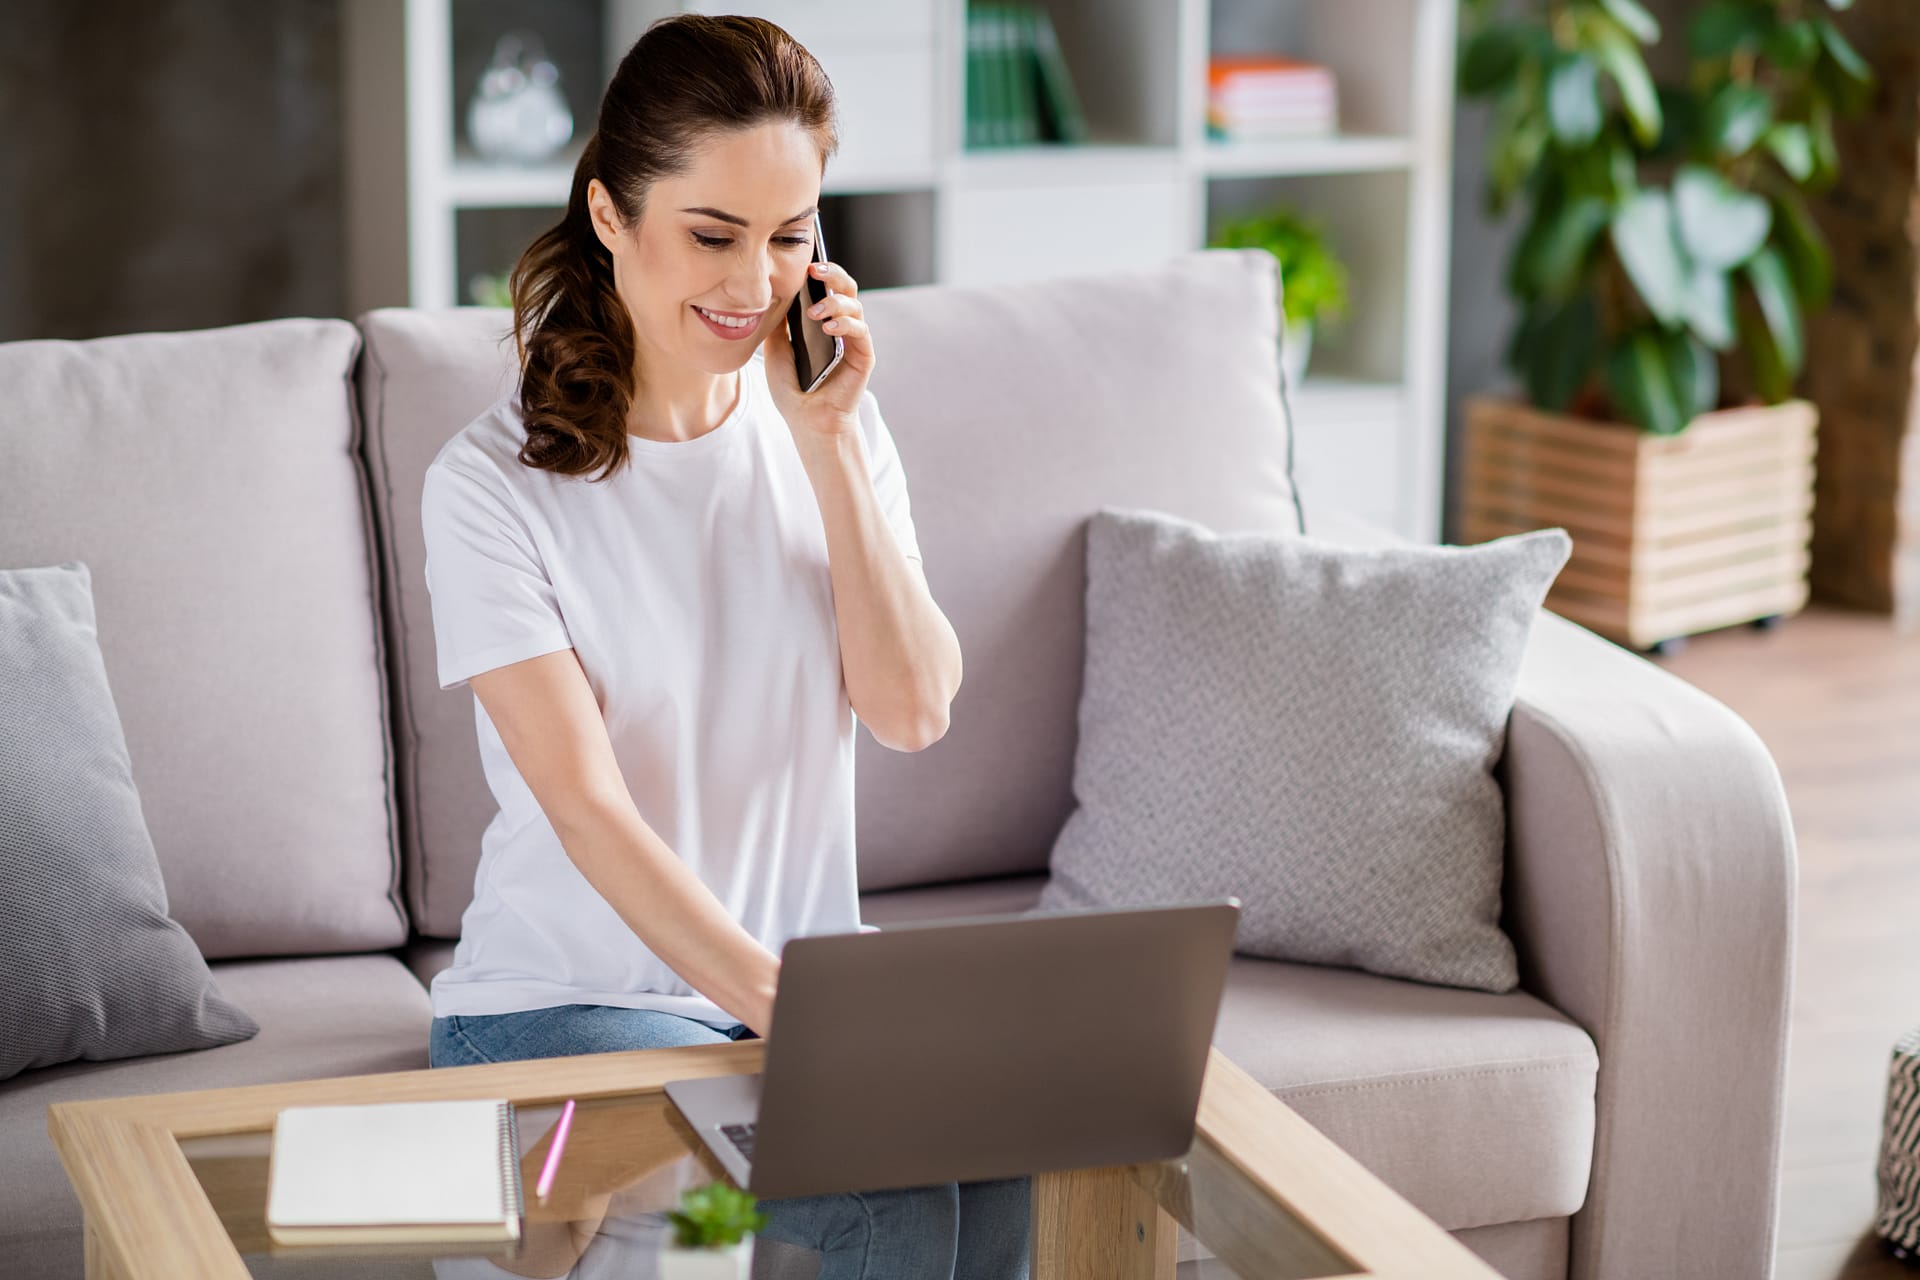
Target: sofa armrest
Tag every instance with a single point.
(1650, 891)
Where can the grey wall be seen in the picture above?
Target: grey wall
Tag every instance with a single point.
(167, 165)
(1479, 314)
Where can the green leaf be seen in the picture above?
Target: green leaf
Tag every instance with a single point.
(1770, 375)
(1719, 224)
(1773, 289)
(1624, 172)
(1736, 118)
(1632, 15)
(1792, 145)
(1698, 373)
(1709, 306)
(1844, 55)
(1793, 46)
(1646, 236)
(1491, 59)
(1620, 58)
(1552, 255)
(1573, 99)
(1826, 152)
(1681, 113)
(1803, 247)
(1725, 26)
(1644, 383)
(1558, 350)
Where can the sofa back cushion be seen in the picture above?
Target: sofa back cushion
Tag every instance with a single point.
(211, 482)
(425, 375)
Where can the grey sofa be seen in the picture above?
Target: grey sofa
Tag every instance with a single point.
(247, 500)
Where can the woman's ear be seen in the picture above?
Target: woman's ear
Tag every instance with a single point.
(603, 215)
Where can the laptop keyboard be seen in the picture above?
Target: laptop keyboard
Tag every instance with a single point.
(741, 1135)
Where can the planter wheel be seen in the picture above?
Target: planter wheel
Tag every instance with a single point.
(1668, 647)
(1769, 623)
(1901, 1254)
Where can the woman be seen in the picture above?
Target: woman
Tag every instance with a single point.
(672, 581)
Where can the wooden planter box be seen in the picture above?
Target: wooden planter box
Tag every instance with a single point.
(1672, 535)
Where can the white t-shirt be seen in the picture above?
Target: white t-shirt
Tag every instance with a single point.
(694, 586)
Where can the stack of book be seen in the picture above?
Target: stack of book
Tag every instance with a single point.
(1018, 89)
(1258, 98)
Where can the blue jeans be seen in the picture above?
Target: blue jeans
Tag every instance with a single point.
(966, 1231)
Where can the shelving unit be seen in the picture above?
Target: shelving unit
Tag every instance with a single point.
(907, 203)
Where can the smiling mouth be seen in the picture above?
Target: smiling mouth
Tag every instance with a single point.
(730, 319)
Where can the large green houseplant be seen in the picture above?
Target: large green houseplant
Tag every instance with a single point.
(1664, 270)
(1665, 230)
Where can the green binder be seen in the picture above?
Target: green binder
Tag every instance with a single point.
(976, 135)
(1024, 109)
(999, 77)
(1064, 120)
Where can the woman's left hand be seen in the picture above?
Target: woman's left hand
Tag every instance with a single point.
(832, 408)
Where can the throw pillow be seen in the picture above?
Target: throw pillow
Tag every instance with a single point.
(94, 967)
(1308, 727)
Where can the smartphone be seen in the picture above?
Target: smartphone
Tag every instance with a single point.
(815, 351)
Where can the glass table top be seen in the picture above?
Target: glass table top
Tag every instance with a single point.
(629, 1158)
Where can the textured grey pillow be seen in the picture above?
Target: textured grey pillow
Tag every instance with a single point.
(1309, 727)
(91, 965)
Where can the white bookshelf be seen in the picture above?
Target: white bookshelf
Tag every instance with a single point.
(909, 204)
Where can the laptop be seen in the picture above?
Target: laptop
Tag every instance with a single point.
(967, 1049)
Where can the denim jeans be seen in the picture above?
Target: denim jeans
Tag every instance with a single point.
(962, 1231)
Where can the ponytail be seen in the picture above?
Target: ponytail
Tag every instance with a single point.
(575, 342)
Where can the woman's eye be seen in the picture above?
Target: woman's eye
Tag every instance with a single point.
(721, 242)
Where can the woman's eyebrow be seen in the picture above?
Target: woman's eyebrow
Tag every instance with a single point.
(741, 222)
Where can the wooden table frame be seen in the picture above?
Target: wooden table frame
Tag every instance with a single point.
(147, 1214)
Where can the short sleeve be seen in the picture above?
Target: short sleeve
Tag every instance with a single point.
(889, 476)
(493, 603)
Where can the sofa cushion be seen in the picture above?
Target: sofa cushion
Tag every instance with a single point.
(210, 482)
(95, 967)
(1478, 1108)
(1310, 727)
(427, 374)
(1051, 413)
(335, 1015)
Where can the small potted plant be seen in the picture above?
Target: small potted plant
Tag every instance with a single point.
(1313, 281)
(1663, 273)
(712, 1234)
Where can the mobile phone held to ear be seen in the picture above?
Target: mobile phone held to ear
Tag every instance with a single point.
(815, 351)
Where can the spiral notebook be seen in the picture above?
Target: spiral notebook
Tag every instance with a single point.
(395, 1172)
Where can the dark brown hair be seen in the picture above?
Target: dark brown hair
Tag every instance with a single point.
(687, 78)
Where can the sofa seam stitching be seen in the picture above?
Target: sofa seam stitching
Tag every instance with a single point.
(407, 785)
(1610, 843)
(371, 525)
(1432, 1077)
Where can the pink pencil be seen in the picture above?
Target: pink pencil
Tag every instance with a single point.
(553, 1152)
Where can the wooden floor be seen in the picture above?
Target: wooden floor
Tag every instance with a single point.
(1836, 696)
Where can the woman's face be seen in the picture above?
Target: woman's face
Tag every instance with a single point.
(732, 236)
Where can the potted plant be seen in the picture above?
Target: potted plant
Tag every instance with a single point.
(1313, 281)
(1663, 273)
(712, 1234)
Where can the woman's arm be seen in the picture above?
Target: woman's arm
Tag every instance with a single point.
(551, 726)
(899, 655)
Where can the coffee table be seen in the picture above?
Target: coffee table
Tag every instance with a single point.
(175, 1185)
